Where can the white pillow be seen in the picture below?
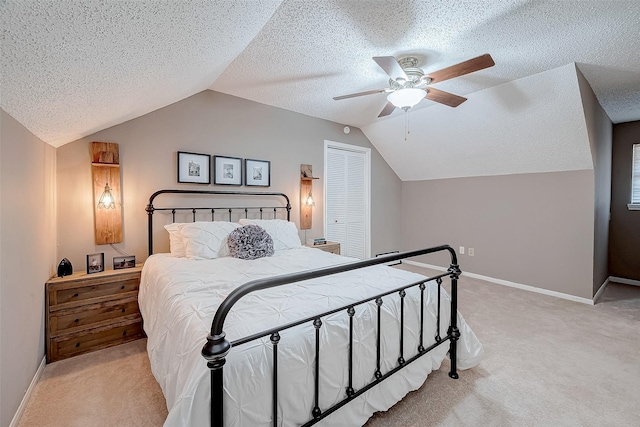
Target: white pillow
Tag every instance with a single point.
(206, 240)
(284, 233)
(176, 245)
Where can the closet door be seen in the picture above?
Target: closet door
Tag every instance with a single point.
(347, 198)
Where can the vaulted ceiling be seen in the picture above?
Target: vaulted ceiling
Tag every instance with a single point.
(71, 68)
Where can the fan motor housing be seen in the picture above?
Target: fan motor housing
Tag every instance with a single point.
(415, 75)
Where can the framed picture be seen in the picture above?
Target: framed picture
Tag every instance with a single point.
(227, 170)
(95, 263)
(194, 168)
(120, 262)
(258, 172)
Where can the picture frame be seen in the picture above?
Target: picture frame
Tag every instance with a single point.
(227, 170)
(121, 262)
(257, 173)
(194, 168)
(95, 263)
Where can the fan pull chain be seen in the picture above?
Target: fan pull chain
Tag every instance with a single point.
(406, 124)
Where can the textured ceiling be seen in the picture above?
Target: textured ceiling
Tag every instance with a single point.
(530, 125)
(71, 68)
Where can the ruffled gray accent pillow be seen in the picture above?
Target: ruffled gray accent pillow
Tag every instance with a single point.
(250, 242)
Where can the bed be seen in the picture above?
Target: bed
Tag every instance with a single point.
(301, 337)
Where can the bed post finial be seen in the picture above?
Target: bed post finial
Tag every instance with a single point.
(150, 210)
(215, 351)
(454, 272)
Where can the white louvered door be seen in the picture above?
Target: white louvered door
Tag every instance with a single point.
(347, 198)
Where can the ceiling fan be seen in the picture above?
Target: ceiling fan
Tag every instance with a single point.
(408, 85)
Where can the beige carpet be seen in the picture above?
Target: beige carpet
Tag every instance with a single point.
(549, 362)
(111, 387)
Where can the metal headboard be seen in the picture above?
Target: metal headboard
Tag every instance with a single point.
(151, 208)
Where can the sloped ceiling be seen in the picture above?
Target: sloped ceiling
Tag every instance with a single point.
(534, 124)
(71, 68)
(310, 52)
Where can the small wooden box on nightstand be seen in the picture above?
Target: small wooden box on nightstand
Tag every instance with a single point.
(333, 247)
(88, 312)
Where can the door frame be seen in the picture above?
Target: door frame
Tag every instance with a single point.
(367, 187)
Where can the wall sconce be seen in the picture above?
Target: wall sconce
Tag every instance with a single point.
(105, 168)
(310, 201)
(106, 199)
(306, 196)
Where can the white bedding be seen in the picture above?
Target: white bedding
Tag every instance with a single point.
(178, 299)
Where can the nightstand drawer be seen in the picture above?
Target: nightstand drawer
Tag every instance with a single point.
(95, 339)
(87, 312)
(334, 249)
(109, 289)
(72, 320)
(331, 247)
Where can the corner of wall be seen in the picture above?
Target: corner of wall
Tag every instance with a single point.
(624, 237)
(28, 245)
(599, 131)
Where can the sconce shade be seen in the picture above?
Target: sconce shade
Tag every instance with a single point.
(310, 201)
(106, 200)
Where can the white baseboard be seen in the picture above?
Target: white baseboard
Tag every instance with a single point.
(624, 281)
(27, 395)
(510, 284)
(422, 264)
(614, 279)
(601, 290)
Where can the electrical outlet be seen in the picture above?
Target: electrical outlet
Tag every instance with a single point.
(461, 250)
(471, 251)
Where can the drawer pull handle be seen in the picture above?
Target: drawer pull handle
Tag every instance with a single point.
(77, 344)
(124, 333)
(77, 320)
(75, 295)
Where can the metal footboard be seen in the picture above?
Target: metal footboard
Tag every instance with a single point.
(217, 346)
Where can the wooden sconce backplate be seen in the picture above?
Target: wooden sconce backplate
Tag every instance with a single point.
(105, 167)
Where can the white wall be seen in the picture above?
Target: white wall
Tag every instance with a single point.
(212, 123)
(27, 254)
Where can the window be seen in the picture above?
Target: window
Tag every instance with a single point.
(635, 179)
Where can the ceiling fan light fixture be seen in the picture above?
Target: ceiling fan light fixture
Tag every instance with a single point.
(406, 98)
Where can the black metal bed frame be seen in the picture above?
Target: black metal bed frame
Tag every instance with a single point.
(261, 209)
(217, 346)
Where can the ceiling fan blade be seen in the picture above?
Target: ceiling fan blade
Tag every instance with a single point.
(390, 66)
(476, 64)
(443, 97)
(388, 109)
(353, 95)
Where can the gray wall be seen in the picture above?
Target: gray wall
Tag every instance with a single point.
(27, 256)
(624, 241)
(599, 129)
(531, 229)
(213, 123)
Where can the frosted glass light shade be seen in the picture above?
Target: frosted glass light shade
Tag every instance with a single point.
(406, 98)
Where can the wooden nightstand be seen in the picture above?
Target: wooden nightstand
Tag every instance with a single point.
(88, 312)
(333, 247)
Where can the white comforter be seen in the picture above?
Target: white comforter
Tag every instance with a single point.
(178, 298)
